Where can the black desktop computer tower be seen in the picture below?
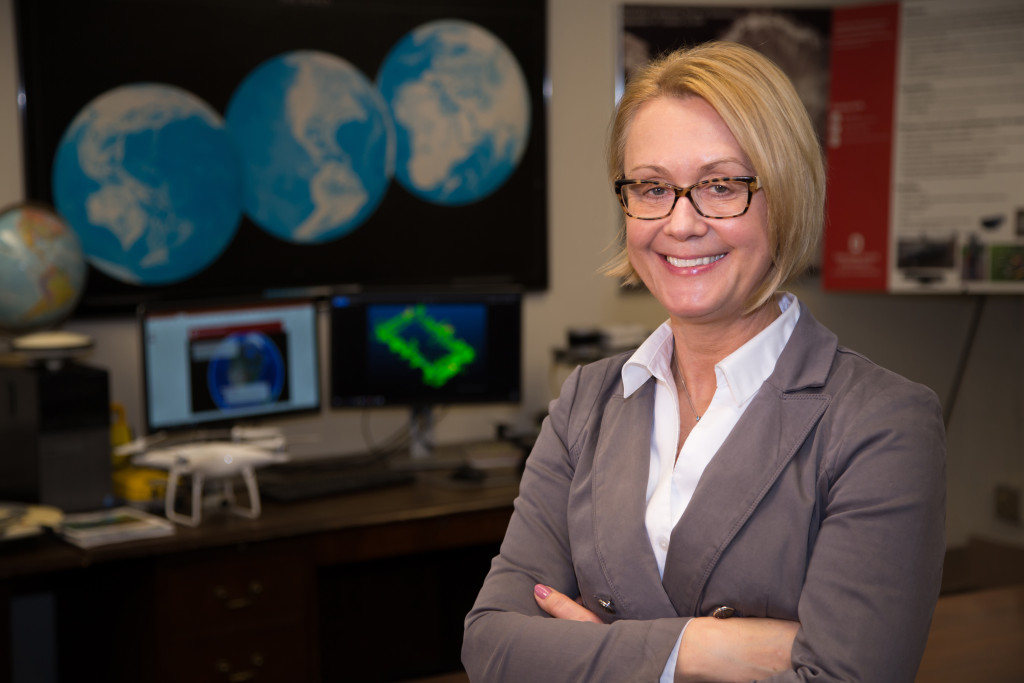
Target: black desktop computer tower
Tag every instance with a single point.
(55, 436)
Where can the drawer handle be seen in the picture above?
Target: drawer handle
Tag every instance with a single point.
(255, 588)
(240, 676)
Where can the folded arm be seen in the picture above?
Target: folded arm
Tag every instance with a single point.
(712, 650)
(508, 636)
(875, 569)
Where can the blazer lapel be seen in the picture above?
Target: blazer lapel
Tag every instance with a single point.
(735, 481)
(749, 461)
(621, 464)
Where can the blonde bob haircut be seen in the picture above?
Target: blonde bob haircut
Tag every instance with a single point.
(759, 105)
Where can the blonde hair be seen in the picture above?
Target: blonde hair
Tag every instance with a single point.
(760, 106)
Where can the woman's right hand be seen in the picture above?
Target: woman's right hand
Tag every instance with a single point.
(734, 650)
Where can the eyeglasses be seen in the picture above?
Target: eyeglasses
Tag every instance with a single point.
(650, 200)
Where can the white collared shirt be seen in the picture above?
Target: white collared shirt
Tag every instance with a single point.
(671, 481)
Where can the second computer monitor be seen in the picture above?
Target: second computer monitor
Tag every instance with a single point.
(425, 348)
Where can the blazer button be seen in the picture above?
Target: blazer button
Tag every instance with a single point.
(606, 604)
(723, 612)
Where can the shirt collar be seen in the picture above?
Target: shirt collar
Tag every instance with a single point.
(743, 371)
(652, 359)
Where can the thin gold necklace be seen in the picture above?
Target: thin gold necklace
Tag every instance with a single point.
(686, 392)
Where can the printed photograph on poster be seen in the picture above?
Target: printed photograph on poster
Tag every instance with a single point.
(282, 146)
(795, 39)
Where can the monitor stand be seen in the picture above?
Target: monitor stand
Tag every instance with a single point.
(423, 454)
(421, 432)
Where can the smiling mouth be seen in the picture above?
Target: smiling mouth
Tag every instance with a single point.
(692, 262)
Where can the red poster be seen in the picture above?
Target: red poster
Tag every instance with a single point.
(860, 147)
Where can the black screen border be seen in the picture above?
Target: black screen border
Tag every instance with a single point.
(346, 391)
(148, 310)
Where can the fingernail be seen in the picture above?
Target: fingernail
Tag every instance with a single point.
(542, 591)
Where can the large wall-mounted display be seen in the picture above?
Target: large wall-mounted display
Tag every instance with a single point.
(231, 148)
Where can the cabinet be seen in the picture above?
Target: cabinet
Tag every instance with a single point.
(310, 591)
(245, 612)
(239, 614)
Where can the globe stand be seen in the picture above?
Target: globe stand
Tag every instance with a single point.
(51, 348)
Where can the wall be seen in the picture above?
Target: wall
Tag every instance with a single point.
(920, 337)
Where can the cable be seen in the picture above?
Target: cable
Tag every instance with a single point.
(965, 355)
(398, 440)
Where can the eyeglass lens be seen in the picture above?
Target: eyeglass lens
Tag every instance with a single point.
(716, 199)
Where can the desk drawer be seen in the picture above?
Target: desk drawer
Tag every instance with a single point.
(230, 590)
(260, 655)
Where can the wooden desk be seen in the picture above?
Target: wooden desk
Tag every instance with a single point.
(142, 610)
(299, 594)
(976, 636)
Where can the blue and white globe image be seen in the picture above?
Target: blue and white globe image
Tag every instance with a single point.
(246, 370)
(149, 178)
(317, 146)
(461, 108)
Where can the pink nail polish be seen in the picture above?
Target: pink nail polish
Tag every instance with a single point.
(542, 591)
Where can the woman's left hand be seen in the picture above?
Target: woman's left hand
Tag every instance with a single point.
(561, 606)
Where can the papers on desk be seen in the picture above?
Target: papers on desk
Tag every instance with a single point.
(91, 529)
(18, 520)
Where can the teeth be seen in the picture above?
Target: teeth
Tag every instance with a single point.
(691, 262)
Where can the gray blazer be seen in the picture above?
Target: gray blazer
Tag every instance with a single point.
(825, 505)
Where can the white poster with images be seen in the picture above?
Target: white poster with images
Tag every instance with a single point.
(957, 219)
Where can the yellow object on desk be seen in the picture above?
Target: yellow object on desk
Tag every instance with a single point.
(139, 484)
(120, 433)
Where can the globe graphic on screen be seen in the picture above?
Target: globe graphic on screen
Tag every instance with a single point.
(148, 177)
(317, 146)
(247, 369)
(461, 108)
(42, 270)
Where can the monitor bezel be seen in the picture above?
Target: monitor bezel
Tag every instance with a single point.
(507, 394)
(146, 311)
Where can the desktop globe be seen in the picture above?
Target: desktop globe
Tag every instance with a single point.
(42, 274)
(56, 428)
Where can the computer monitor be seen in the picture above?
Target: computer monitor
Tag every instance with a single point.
(425, 349)
(210, 364)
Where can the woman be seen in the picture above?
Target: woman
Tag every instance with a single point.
(741, 498)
